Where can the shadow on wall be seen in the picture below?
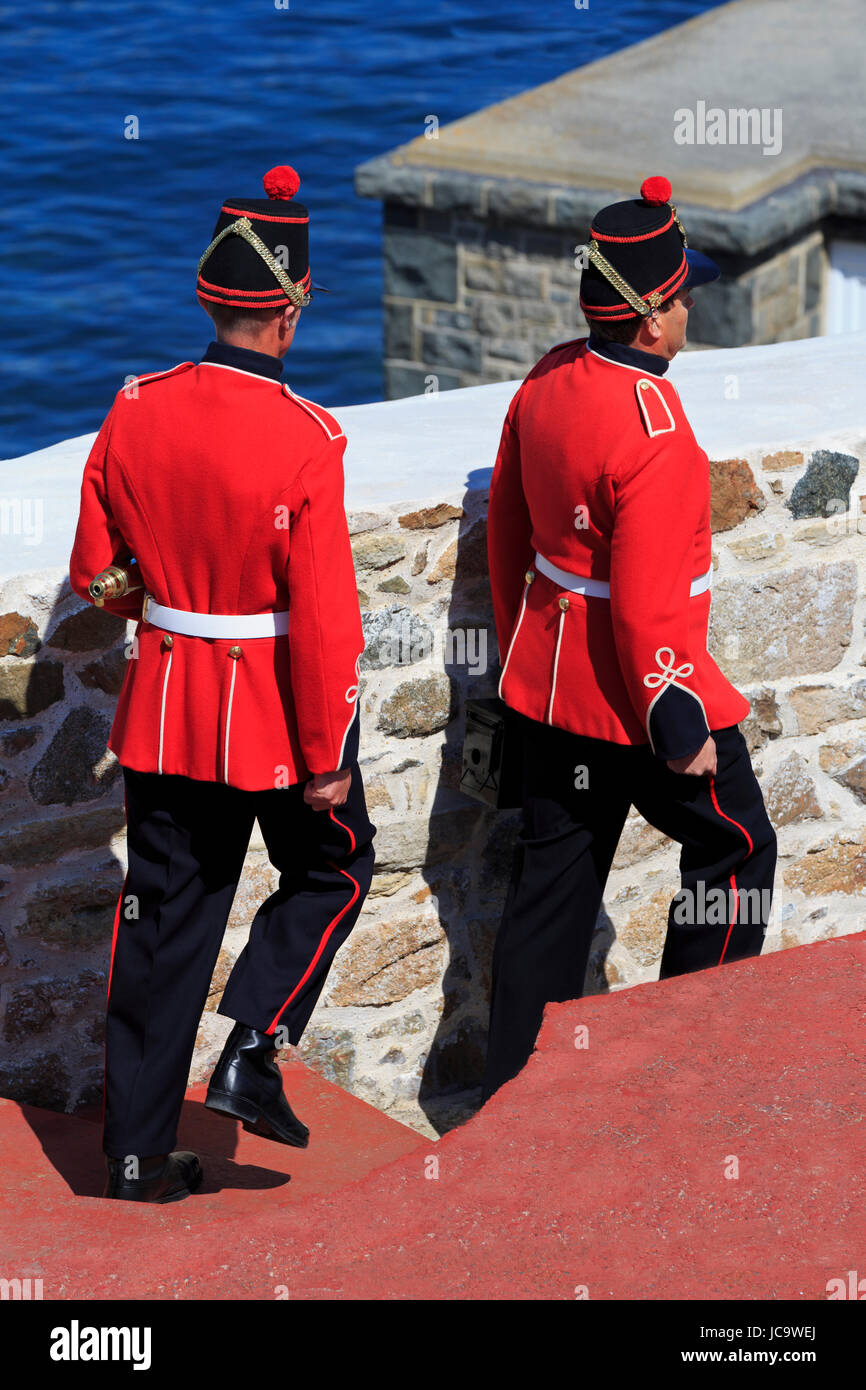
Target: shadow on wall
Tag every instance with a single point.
(61, 811)
(470, 846)
(61, 805)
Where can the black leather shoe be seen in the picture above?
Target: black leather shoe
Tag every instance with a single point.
(163, 1178)
(247, 1085)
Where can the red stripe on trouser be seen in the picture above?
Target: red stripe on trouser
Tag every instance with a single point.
(328, 929)
(343, 827)
(111, 963)
(114, 935)
(745, 832)
(108, 994)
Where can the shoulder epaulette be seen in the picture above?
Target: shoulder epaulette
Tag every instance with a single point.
(654, 409)
(322, 417)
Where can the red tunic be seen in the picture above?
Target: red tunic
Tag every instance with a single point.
(599, 472)
(227, 489)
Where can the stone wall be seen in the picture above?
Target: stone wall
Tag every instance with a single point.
(470, 300)
(402, 1021)
(481, 275)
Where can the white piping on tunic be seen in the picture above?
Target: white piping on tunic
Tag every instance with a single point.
(162, 709)
(666, 677)
(562, 613)
(629, 368)
(352, 699)
(513, 637)
(612, 363)
(229, 721)
(311, 407)
(694, 696)
(153, 376)
(642, 386)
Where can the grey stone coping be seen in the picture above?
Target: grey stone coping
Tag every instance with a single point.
(792, 56)
(426, 449)
(806, 200)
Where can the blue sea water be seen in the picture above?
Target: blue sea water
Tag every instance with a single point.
(101, 234)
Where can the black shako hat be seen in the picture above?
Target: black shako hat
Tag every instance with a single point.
(259, 255)
(639, 257)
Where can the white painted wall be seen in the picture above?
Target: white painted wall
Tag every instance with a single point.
(410, 451)
(846, 287)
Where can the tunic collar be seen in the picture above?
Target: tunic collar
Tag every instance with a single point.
(626, 355)
(244, 360)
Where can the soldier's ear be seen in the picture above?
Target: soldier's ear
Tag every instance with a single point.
(653, 325)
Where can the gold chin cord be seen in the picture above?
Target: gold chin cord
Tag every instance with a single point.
(110, 583)
(640, 305)
(243, 227)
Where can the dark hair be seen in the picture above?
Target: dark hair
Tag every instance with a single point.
(229, 319)
(624, 330)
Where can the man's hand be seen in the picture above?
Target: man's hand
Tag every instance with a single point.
(327, 789)
(696, 764)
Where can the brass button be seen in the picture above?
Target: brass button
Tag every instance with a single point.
(235, 652)
(530, 575)
(168, 640)
(563, 603)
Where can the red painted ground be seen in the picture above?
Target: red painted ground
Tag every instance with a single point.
(601, 1167)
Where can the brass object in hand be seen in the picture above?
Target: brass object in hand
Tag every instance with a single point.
(110, 583)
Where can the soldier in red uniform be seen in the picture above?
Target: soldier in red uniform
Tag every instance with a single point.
(600, 568)
(221, 490)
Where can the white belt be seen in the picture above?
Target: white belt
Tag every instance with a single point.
(600, 588)
(214, 624)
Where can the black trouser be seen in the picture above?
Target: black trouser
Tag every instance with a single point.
(187, 841)
(563, 856)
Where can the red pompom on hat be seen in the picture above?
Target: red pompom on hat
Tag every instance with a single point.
(283, 182)
(656, 191)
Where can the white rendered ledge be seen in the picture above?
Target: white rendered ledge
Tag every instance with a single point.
(427, 449)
